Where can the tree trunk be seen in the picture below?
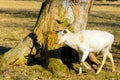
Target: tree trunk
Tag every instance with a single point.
(42, 41)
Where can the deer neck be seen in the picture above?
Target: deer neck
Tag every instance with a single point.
(70, 40)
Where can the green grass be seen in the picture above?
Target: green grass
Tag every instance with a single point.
(17, 20)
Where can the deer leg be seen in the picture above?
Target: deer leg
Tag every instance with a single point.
(87, 67)
(103, 61)
(112, 61)
(80, 70)
(84, 56)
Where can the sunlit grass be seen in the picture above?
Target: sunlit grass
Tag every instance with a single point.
(18, 4)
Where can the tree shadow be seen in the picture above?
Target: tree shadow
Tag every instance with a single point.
(105, 24)
(106, 15)
(4, 49)
(107, 4)
(107, 20)
(20, 13)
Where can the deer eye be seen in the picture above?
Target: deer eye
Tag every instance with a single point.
(58, 31)
(64, 31)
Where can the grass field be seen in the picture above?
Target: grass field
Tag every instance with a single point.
(17, 20)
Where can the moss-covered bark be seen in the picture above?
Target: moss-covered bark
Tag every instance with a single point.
(57, 67)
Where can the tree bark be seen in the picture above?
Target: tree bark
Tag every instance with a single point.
(42, 41)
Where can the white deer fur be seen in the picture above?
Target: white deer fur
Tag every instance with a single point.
(88, 41)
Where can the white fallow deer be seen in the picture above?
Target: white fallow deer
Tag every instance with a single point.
(87, 41)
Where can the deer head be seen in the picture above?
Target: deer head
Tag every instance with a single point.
(62, 35)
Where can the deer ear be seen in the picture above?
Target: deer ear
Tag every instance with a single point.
(65, 31)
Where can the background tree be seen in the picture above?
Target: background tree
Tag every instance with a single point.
(40, 44)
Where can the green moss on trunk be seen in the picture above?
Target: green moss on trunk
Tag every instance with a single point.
(57, 67)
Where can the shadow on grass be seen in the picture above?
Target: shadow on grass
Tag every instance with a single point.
(107, 4)
(106, 24)
(106, 15)
(20, 13)
(4, 49)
